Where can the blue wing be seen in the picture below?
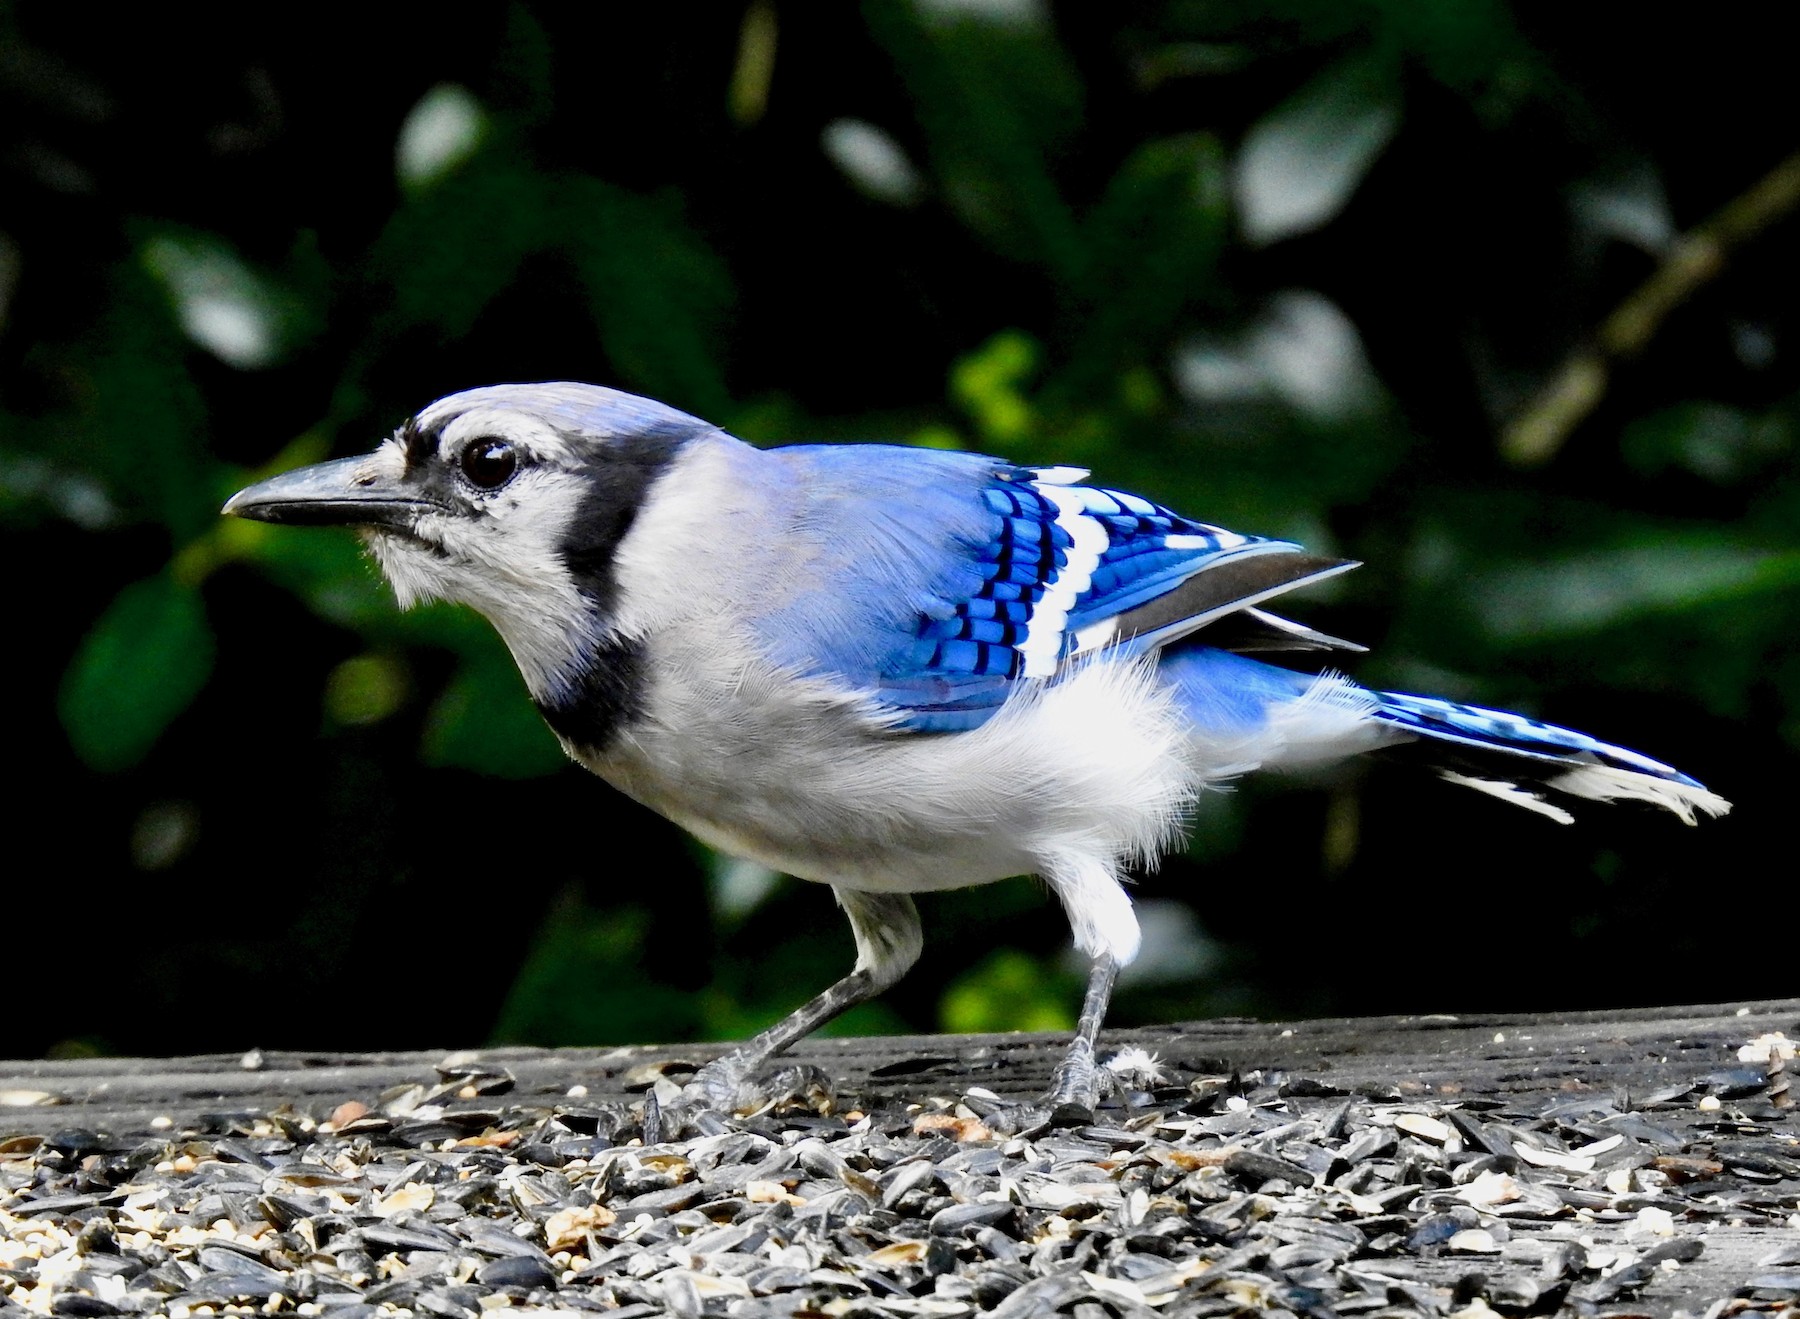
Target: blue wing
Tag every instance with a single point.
(948, 580)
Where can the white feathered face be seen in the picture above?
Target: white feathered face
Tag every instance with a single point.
(498, 495)
(512, 500)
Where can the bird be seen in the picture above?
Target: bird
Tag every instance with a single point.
(894, 670)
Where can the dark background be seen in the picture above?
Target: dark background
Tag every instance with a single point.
(1498, 299)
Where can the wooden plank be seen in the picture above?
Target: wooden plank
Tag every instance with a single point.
(1608, 1060)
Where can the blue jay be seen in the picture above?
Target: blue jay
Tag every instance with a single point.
(893, 670)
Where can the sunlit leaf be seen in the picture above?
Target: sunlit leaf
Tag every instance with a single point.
(989, 383)
(759, 37)
(163, 833)
(1010, 991)
(233, 311)
(1174, 948)
(738, 887)
(1302, 351)
(142, 664)
(1001, 13)
(29, 483)
(871, 159)
(1628, 206)
(440, 132)
(365, 689)
(1302, 162)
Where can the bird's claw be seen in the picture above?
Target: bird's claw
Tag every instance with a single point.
(725, 1086)
(730, 1087)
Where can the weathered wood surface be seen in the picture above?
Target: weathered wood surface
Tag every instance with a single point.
(1491, 1055)
(1493, 1063)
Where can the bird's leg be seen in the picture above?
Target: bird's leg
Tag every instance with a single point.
(888, 940)
(1075, 1084)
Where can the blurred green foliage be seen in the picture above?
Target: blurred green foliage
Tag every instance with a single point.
(142, 664)
(1336, 272)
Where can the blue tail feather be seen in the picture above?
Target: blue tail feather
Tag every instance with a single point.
(1285, 719)
(1515, 734)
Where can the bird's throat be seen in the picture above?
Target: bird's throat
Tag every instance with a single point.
(603, 693)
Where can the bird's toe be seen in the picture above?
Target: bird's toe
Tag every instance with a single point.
(731, 1087)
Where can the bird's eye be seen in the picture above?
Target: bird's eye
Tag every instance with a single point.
(489, 464)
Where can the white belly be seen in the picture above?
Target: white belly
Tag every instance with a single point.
(796, 777)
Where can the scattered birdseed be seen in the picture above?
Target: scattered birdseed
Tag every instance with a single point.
(1198, 1191)
(1766, 1048)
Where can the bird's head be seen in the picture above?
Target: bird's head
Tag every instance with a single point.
(512, 499)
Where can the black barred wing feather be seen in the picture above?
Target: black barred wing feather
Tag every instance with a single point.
(1069, 570)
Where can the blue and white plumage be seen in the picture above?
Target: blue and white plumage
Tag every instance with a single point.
(893, 670)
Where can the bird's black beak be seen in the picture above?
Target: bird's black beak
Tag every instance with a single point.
(351, 492)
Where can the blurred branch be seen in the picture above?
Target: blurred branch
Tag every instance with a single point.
(748, 97)
(1691, 262)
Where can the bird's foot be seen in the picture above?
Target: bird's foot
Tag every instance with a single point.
(730, 1087)
(1077, 1086)
(1075, 1091)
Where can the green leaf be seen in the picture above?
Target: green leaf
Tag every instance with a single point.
(657, 292)
(1473, 47)
(485, 721)
(1723, 445)
(142, 664)
(583, 983)
(328, 570)
(1153, 244)
(454, 248)
(990, 384)
(1588, 592)
(999, 104)
(135, 421)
